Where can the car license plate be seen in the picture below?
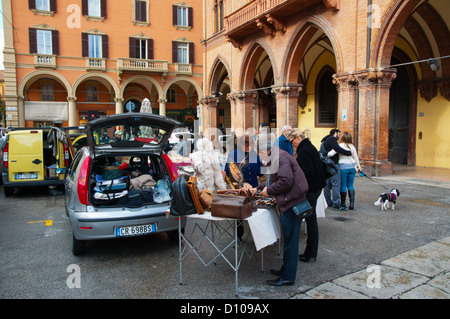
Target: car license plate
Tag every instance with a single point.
(135, 230)
(26, 176)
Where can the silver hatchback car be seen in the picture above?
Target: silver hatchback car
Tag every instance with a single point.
(120, 184)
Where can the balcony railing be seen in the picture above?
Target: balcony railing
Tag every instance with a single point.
(181, 68)
(96, 64)
(243, 21)
(44, 61)
(125, 64)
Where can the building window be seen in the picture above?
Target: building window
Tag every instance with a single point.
(140, 11)
(94, 45)
(94, 8)
(326, 99)
(218, 11)
(171, 96)
(92, 94)
(141, 48)
(42, 5)
(183, 16)
(182, 52)
(44, 42)
(47, 90)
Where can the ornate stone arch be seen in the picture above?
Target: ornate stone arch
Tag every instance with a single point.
(102, 78)
(250, 60)
(39, 74)
(298, 44)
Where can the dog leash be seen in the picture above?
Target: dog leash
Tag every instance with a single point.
(364, 174)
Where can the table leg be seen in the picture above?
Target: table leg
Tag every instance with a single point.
(236, 254)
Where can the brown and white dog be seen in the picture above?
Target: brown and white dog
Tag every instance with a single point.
(386, 198)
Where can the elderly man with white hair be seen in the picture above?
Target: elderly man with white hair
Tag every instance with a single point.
(283, 142)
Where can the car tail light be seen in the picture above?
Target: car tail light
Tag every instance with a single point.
(173, 171)
(66, 156)
(5, 156)
(83, 182)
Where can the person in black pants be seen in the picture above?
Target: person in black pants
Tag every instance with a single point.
(309, 161)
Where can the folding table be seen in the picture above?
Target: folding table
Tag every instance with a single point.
(264, 227)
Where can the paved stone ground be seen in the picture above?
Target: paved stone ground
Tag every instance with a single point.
(422, 273)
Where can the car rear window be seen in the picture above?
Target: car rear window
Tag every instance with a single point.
(128, 134)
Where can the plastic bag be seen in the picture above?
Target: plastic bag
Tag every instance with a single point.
(162, 191)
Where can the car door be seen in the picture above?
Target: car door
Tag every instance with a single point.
(71, 182)
(25, 158)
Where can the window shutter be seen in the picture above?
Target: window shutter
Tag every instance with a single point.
(105, 51)
(150, 49)
(137, 10)
(84, 45)
(55, 42)
(132, 49)
(84, 7)
(174, 52)
(191, 53)
(174, 15)
(33, 40)
(32, 4)
(53, 5)
(190, 17)
(103, 8)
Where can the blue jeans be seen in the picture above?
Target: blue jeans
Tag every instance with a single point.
(347, 179)
(291, 233)
(332, 188)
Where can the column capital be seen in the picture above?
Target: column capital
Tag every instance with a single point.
(289, 89)
(71, 98)
(118, 100)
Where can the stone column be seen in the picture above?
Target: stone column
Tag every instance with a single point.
(374, 92)
(21, 111)
(119, 105)
(347, 117)
(162, 107)
(287, 104)
(72, 110)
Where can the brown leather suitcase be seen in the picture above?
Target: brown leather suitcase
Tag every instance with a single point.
(195, 194)
(231, 206)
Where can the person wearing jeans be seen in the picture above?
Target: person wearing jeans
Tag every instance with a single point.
(347, 167)
(333, 184)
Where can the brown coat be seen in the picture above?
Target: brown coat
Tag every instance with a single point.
(288, 183)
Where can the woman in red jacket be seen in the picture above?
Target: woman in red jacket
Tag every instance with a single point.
(287, 183)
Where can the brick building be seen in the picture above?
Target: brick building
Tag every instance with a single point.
(70, 60)
(320, 64)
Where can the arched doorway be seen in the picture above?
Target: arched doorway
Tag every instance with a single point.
(399, 114)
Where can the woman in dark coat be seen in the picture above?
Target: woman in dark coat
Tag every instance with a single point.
(309, 160)
(288, 185)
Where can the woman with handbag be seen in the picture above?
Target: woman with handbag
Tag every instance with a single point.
(309, 160)
(287, 183)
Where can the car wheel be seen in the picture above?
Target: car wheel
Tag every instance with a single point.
(8, 191)
(78, 246)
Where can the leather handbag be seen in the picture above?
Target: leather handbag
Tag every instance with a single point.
(302, 210)
(240, 192)
(229, 206)
(181, 203)
(195, 194)
(206, 198)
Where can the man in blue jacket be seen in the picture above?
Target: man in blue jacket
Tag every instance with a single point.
(283, 142)
(333, 186)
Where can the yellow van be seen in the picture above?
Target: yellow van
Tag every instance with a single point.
(35, 157)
